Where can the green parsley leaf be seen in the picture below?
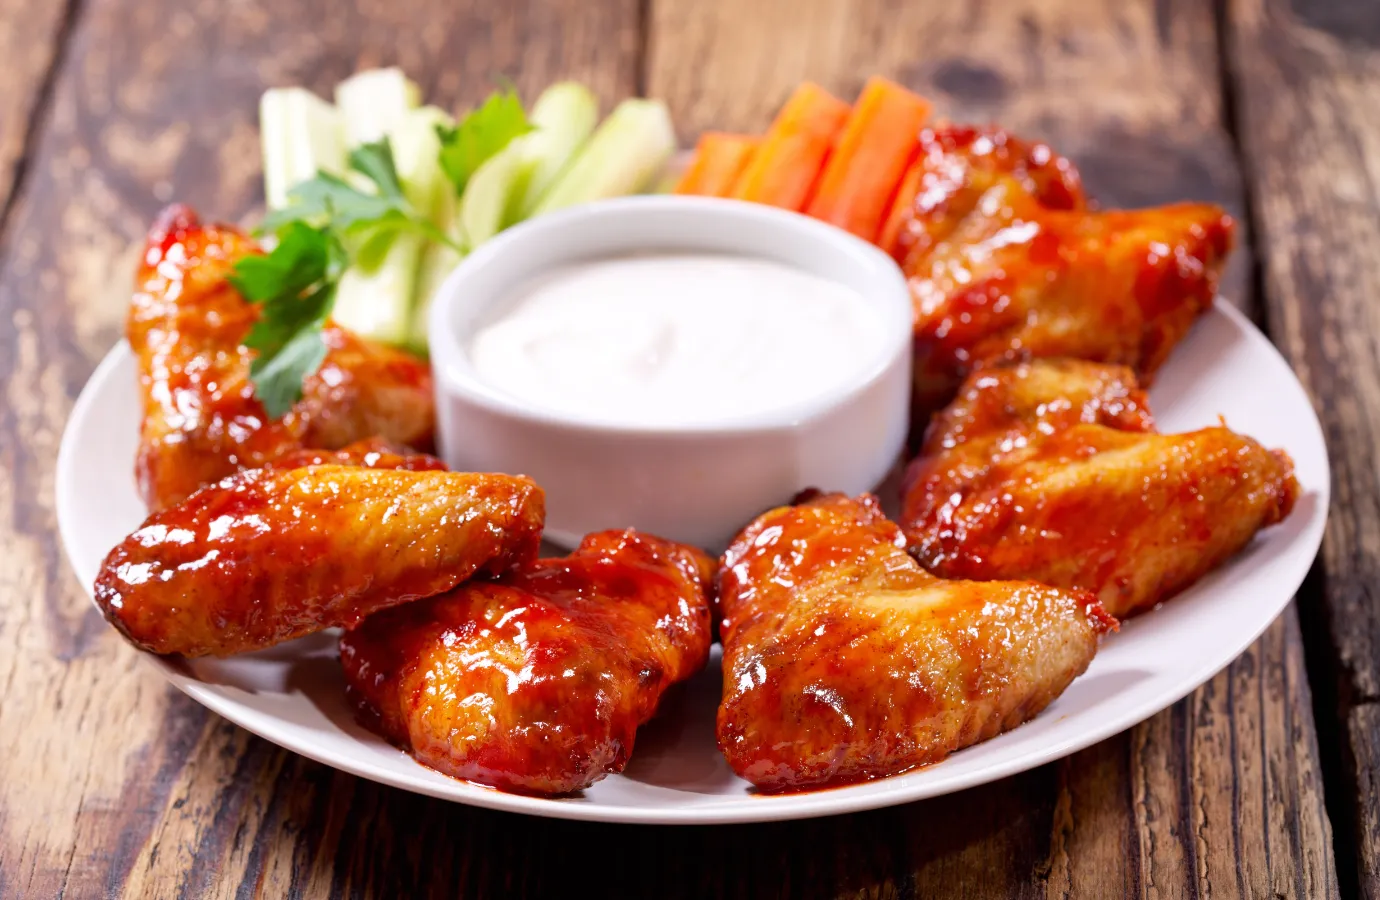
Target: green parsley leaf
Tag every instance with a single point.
(375, 162)
(328, 224)
(481, 135)
(302, 258)
(278, 378)
(370, 250)
(295, 287)
(330, 201)
(327, 200)
(378, 234)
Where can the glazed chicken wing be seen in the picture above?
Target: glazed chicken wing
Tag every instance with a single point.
(1053, 471)
(1006, 264)
(201, 419)
(537, 681)
(266, 555)
(844, 660)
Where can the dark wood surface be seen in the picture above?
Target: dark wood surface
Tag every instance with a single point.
(31, 36)
(112, 783)
(1308, 112)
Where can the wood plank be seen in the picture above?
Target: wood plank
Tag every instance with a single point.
(1219, 795)
(31, 37)
(108, 778)
(1308, 76)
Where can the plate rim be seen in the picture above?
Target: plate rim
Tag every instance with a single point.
(758, 808)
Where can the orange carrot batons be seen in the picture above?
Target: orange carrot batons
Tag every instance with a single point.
(785, 167)
(719, 160)
(902, 206)
(870, 158)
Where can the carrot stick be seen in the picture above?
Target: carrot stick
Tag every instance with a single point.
(719, 159)
(902, 207)
(872, 154)
(784, 169)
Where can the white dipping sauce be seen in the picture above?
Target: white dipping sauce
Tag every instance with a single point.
(676, 339)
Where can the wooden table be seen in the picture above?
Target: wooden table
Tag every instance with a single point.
(1261, 783)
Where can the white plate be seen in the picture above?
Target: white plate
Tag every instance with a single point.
(293, 694)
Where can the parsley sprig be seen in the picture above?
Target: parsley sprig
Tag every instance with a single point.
(295, 286)
(328, 224)
(332, 223)
(481, 135)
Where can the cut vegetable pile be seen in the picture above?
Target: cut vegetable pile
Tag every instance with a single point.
(374, 199)
(854, 167)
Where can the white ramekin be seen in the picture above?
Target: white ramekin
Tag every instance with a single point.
(697, 484)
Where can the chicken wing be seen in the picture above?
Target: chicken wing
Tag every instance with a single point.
(266, 556)
(1006, 264)
(1053, 471)
(537, 682)
(201, 419)
(844, 660)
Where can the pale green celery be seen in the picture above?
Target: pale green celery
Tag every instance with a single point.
(437, 260)
(486, 195)
(627, 151)
(374, 303)
(437, 263)
(301, 134)
(499, 191)
(377, 300)
(374, 103)
(496, 194)
(416, 153)
(564, 117)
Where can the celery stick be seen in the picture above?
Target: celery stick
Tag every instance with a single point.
(497, 193)
(416, 149)
(376, 301)
(564, 115)
(486, 196)
(374, 103)
(437, 260)
(625, 153)
(437, 263)
(301, 134)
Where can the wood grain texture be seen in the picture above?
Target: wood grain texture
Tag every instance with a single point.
(31, 36)
(111, 783)
(1308, 77)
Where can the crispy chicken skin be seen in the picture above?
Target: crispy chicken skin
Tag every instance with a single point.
(1053, 471)
(844, 660)
(201, 420)
(1006, 264)
(536, 682)
(265, 556)
(371, 453)
(961, 162)
(365, 389)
